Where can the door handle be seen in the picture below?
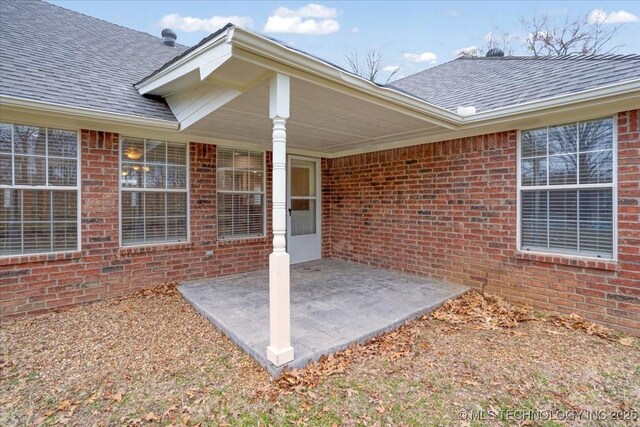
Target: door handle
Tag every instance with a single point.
(289, 211)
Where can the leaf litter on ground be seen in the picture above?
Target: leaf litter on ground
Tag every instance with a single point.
(115, 352)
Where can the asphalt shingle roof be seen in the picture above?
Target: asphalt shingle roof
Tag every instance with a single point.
(490, 83)
(52, 54)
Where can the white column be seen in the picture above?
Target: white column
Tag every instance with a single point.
(279, 351)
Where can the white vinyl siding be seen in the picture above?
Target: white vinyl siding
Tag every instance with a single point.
(567, 189)
(240, 188)
(153, 191)
(39, 170)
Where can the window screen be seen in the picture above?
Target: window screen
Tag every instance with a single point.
(566, 189)
(153, 199)
(38, 190)
(240, 187)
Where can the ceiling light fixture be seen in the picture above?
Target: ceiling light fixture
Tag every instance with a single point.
(133, 153)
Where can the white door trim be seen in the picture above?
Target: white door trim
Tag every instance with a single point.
(318, 198)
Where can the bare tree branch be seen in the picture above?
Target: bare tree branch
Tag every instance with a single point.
(371, 67)
(497, 38)
(583, 36)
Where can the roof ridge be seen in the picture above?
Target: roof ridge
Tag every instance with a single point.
(107, 22)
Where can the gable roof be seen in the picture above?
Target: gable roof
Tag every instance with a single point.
(228, 26)
(55, 55)
(494, 82)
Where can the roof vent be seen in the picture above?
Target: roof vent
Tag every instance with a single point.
(495, 53)
(466, 111)
(169, 37)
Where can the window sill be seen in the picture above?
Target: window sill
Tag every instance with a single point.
(242, 240)
(573, 261)
(33, 258)
(154, 247)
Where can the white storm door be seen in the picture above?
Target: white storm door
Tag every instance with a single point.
(304, 242)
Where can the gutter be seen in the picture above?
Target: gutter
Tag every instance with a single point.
(621, 91)
(86, 113)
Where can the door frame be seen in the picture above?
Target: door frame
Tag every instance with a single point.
(318, 163)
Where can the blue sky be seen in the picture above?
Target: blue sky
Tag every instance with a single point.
(415, 35)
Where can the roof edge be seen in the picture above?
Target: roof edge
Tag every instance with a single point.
(187, 54)
(85, 113)
(628, 88)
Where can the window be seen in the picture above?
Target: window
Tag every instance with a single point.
(240, 182)
(153, 186)
(38, 190)
(567, 189)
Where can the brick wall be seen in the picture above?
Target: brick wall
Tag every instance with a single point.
(37, 284)
(447, 210)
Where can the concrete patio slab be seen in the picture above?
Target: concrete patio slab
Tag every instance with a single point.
(333, 304)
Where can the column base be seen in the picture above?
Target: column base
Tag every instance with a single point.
(279, 356)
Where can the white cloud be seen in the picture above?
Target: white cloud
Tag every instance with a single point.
(421, 57)
(355, 30)
(599, 16)
(312, 19)
(467, 51)
(191, 24)
(313, 10)
(390, 68)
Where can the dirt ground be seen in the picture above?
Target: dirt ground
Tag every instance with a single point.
(149, 359)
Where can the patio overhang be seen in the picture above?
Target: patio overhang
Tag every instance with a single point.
(219, 90)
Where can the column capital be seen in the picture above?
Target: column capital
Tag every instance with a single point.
(279, 90)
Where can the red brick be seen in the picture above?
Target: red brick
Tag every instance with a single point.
(445, 210)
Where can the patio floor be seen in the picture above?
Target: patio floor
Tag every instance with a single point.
(333, 304)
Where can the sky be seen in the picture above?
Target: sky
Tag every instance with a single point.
(412, 34)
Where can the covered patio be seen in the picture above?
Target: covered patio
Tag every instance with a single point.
(239, 89)
(333, 305)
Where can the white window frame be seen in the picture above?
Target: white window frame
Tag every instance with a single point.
(46, 187)
(122, 189)
(263, 193)
(613, 185)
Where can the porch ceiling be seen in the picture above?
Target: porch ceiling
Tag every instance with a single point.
(322, 119)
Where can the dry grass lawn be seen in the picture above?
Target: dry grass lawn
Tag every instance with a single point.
(150, 359)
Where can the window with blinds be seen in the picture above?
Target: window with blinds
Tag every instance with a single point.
(567, 189)
(38, 190)
(240, 188)
(153, 191)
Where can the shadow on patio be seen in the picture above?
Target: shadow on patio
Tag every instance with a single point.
(333, 304)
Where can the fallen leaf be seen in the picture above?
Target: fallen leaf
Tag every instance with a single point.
(151, 417)
(63, 406)
(626, 341)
